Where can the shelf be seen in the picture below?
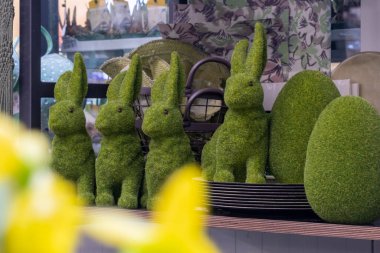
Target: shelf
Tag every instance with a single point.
(272, 226)
(105, 45)
(348, 34)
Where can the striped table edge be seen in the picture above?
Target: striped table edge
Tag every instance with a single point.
(367, 232)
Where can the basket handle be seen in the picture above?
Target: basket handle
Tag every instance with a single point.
(197, 65)
(209, 92)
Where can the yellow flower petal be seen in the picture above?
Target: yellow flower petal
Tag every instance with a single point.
(9, 133)
(116, 227)
(180, 212)
(182, 203)
(21, 151)
(44, 218)
(179, 219)
(33, 149)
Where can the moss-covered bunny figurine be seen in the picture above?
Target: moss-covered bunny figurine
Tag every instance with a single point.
(237, 152)
(120, 163)
(169, 146)
(72, 153)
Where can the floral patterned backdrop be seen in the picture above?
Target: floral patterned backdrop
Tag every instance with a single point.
(298, 31)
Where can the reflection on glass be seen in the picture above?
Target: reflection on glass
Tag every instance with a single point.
(16, 67)
(345, 37)
(102, 29)
(52, 65)
(109, 19)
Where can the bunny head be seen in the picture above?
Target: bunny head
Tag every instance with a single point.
(117, 116)
(243, 87)
(66, 117)
(164, 118)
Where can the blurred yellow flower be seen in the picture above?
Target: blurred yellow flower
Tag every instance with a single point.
(9, 133)
(44, 218)
(180, 213)
(178, 221)
(21, 150)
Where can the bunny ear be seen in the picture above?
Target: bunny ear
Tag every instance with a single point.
(113, 91)
(77, 89)
(238, 57)
(158, 87)
(131, 85)
(257, 56)
(60, 88)
(175, 81)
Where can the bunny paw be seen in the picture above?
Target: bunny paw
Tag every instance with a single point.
(150, 203)
(207, 174)
(88, 198)
(256, 179)
(127, 201)
(143, 200)
(224, 176)
(104, 199)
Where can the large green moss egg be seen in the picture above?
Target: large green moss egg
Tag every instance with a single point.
(342, 171)
(293, 116)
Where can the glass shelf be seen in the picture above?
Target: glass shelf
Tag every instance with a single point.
(126, 44)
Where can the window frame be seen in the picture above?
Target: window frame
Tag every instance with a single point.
(32, 89)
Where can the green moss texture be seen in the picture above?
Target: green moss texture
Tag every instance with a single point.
(342, 172)
(169, 146)
(237, 152)
(72, 153)
(293, 116)
(120, 163)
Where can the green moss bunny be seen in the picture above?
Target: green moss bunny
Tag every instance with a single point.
(169, 146)
(238, 149)
(120, 163)
(72, 153)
